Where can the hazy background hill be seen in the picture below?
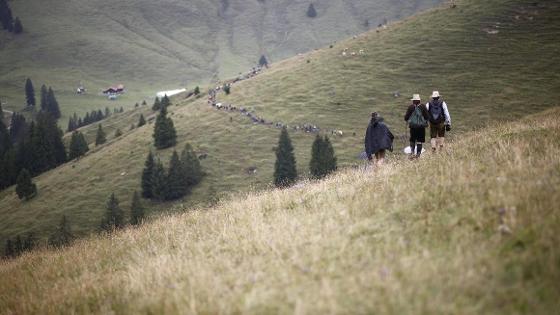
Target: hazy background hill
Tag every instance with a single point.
(158, 45)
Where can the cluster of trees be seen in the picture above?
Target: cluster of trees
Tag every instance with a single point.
(7, 19)
(19, 245)
(94, 116)
(323, 160)
(164, 134)
(163, 103)
(184, 172)
(31, 147)
(114, 217)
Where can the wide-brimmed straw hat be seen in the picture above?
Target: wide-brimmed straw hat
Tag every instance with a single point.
(415, 97)
(435, 94)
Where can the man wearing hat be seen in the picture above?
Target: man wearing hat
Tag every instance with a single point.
(440, 120)
(417, 118)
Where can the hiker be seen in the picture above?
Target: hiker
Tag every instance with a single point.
(440, 120)
(378, 139)
(417, 117)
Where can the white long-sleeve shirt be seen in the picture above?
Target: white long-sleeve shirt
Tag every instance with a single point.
(445, 112)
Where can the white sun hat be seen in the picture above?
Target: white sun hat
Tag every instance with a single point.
(435, 94)
(415, 97)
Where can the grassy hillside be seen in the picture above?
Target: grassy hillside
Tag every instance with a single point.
(152, 46)
(485, 78)
(469, 231)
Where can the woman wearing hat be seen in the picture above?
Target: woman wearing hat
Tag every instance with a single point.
(417, 117)
(378, 139)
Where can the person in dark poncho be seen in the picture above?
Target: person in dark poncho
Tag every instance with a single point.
(378, 139)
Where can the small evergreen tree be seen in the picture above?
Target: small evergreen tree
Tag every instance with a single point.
(62, 236)
(141, 121)
(78, 145)
(157, 104)
(136, 210)
(144, 103)
(164, 135)
(285, 172)
(18, 246)
(147, 176)
(100, 138)
(9, 250)
(176, 179)
(191, 166)
(18, 128)
(196, 90)
(29, 93)
(18, 28)
(29, 242)
(159, 185)
(165, 101)
(44, 98)
(6, 18)
(118, 133)
(25, 188)
(52, 104)
(263, 62)
(311, 12)
(114, 216)
(323, 161)
(227, 89)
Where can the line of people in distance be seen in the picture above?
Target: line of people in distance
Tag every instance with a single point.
(433, 114)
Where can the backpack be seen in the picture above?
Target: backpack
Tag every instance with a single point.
(416, 119)
(436, 112)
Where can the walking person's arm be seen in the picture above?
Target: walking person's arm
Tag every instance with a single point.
(446, 113)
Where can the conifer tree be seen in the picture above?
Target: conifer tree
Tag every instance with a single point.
(285, 172)
(6, 18)
(29, 242)
(164, 131)
(62, 236)
(118, 133)
(141, 121)
(311, 12)
(196, 90)
(159, 186)
(227, 89)
(29, 93)
(263, 62)
(136, 210)
(9, 250)
(44, 98)
(147, 176)
(18, 245)
(100, 138)
(52, 104)
(78, 145)
(157, 104)
(5, 141)
(323, 161)
(25, 188)
(144, 103)
(18, 27)
(176, 179)
(191, 166)
(18, 128)
(114, 216)
(165, 101)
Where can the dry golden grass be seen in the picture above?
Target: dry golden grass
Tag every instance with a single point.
(468, 231)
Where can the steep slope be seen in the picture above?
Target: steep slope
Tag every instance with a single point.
(470, 231)
(151, 46)
(484, 78)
